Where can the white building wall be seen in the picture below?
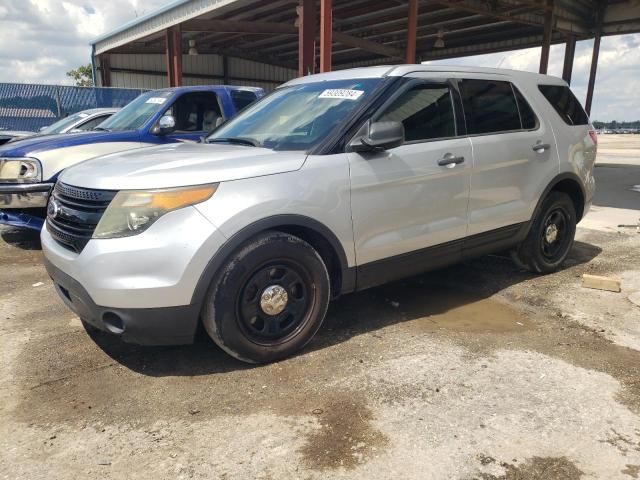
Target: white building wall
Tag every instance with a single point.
(149, 71)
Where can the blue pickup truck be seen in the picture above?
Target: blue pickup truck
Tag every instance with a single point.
(29, 167)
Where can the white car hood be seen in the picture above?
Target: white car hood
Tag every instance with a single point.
(179, 164)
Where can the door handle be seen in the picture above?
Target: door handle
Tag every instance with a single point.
(541, 147)
(450, 160)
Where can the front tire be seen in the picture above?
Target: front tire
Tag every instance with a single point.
(269, 298)
(551, 236)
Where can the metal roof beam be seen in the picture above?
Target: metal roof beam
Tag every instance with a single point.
(479, 7)
(232, 26)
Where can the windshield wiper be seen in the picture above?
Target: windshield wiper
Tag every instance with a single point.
(236, 140)
(101, 129)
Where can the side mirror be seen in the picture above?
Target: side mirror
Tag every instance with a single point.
(165, 125)
(380, 136)
(43, 128)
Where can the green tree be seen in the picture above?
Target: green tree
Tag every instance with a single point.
(82, 76)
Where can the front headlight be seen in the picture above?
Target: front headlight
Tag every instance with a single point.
(133, 211)
(20, 170)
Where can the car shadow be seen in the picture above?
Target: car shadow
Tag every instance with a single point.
(352, 315)
(23, 239)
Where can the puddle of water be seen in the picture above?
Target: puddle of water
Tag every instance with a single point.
(470, 315)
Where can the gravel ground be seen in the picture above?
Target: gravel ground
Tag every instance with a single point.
(479, 371)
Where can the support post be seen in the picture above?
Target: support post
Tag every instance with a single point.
(569, 54)
(306, 37)
(412, 28)
(225, 70)
(105, 70)
(326, 29)
(593, 71)
(546, 38)
(594, 58)
(173, 36)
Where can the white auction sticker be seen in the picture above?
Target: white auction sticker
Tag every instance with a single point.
(158, 100)
(342, 93)
(83, 115)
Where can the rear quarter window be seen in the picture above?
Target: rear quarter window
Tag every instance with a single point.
(565, 103)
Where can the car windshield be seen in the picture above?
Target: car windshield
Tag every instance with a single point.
(136, 113)
(296, 117)
(61, 125)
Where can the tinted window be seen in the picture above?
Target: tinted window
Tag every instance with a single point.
(565, 103)
(490, 106)
(242, 98)
(93, 123)
(528, 118)
(425, 111)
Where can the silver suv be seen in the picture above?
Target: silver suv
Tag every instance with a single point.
(332, 183)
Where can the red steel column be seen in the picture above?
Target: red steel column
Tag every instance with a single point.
(173, 37)
(306, 37)
(546, 38)
(412, 27)
(105, 70)
(326, 29)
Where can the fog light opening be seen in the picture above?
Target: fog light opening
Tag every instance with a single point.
(113, 323)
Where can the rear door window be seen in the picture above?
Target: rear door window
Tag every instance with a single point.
(490, 106)
(528, 118)
(426, 111)
(565, 103)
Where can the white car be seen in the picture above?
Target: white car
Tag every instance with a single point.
(74, 123)
(332, 183)
(79, 122)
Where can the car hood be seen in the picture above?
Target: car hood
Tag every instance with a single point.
(30, 146)
(180, 164)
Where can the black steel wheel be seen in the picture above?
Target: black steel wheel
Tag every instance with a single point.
(269, 299)
(550, 237)
(274, 301)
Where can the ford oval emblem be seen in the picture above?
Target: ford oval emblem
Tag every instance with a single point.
(53, 208)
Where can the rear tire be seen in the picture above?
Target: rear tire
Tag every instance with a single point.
(269, 298)
(550, 237)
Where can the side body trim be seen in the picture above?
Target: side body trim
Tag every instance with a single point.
(438, 256)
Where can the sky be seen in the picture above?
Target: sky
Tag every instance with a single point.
(40, 40)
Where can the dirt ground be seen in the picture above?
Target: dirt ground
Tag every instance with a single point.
(479, 371)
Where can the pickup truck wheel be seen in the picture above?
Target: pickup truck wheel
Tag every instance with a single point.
(551, 235)
(269, 299)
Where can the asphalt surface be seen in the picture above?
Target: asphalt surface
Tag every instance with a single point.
(478, 371)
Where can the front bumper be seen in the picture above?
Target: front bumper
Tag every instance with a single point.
(142, 326)
(24, 195)
(141, 287)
